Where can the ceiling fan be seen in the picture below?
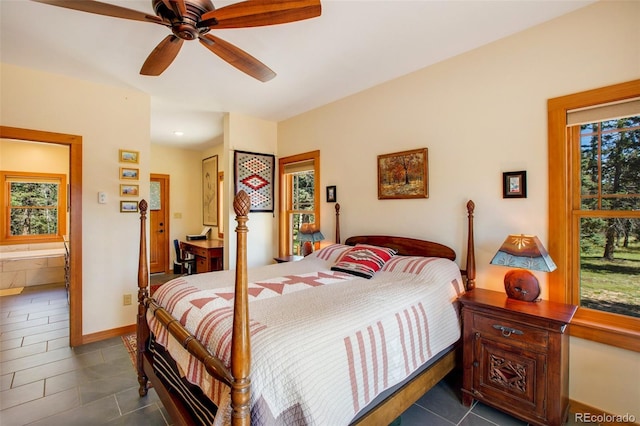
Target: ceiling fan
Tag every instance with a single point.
(193, 19)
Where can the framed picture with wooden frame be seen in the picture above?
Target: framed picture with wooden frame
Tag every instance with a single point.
(128, 156)
(403, 174)
(127, 190)
(514, 184)
(128, 206)
(129, 173)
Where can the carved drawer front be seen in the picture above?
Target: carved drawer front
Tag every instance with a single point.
(515, 333)
(510, 377)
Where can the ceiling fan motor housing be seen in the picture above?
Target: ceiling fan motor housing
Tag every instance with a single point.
(185, 26)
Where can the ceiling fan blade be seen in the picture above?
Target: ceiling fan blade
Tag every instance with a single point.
(105, 9)
(237, 57)
(256, 13)
(162, 56)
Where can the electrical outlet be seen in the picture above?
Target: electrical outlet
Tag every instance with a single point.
(126, 299)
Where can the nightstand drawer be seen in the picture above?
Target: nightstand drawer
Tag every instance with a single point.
(510, 331)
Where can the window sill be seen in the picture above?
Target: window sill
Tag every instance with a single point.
(610, 329)
(7, 241)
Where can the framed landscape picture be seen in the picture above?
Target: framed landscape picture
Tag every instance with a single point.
(403, 175)
(129, 190)
(129, 173)
(128, 156)
(128, 206)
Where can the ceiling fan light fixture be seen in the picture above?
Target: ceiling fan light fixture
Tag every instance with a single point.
(178, 133)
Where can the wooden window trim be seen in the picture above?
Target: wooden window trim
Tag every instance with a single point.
(603, 327)
(7, 238)
(285, 201)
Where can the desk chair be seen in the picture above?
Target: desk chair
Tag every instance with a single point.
(183, 264)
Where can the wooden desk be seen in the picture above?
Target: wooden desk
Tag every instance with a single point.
(208, 253)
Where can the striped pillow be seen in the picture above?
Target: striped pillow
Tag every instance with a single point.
(363, 260)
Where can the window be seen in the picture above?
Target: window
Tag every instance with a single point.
(594, 215)
(300, 198)
(34, 207)
(609, 181)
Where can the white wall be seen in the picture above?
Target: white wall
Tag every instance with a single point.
(480, 114)
(184, 168)
(108, 119)
(33, 157)
(244, 133)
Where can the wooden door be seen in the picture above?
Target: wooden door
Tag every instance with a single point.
(159, 224)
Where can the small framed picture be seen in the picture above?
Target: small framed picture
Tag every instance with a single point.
(514, 184)
(127, 190)
(332, 195)
(129, 173)
(127, 156)
(128, 206)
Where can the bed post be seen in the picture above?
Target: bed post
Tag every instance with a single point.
(471, 255)
(142, 328)
(337, 223)
(240, 341)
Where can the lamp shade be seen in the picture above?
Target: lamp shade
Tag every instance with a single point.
(525, 252)
(309, 232)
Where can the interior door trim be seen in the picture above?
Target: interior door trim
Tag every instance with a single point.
(74, 142)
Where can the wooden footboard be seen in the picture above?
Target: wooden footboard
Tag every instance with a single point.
(237, 376)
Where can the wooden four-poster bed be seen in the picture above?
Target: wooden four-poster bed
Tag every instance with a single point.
(266, 385)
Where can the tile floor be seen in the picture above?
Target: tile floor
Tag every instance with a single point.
(44, 382)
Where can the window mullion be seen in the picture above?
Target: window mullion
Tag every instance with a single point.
(599, 160)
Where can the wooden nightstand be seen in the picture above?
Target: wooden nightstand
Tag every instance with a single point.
(516, 356)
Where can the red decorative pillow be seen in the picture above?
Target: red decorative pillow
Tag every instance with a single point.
(363, 260)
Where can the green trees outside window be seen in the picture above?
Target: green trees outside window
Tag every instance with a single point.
(608, 216)
(34, 208)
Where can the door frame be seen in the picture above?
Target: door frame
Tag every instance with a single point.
(165, 202)
(74, 142)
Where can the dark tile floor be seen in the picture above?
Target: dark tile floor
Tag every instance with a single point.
(44, 382)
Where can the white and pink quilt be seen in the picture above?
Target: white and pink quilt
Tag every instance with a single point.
(324, 343)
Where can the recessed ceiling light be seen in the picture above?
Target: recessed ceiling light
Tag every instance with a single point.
(178, 133)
